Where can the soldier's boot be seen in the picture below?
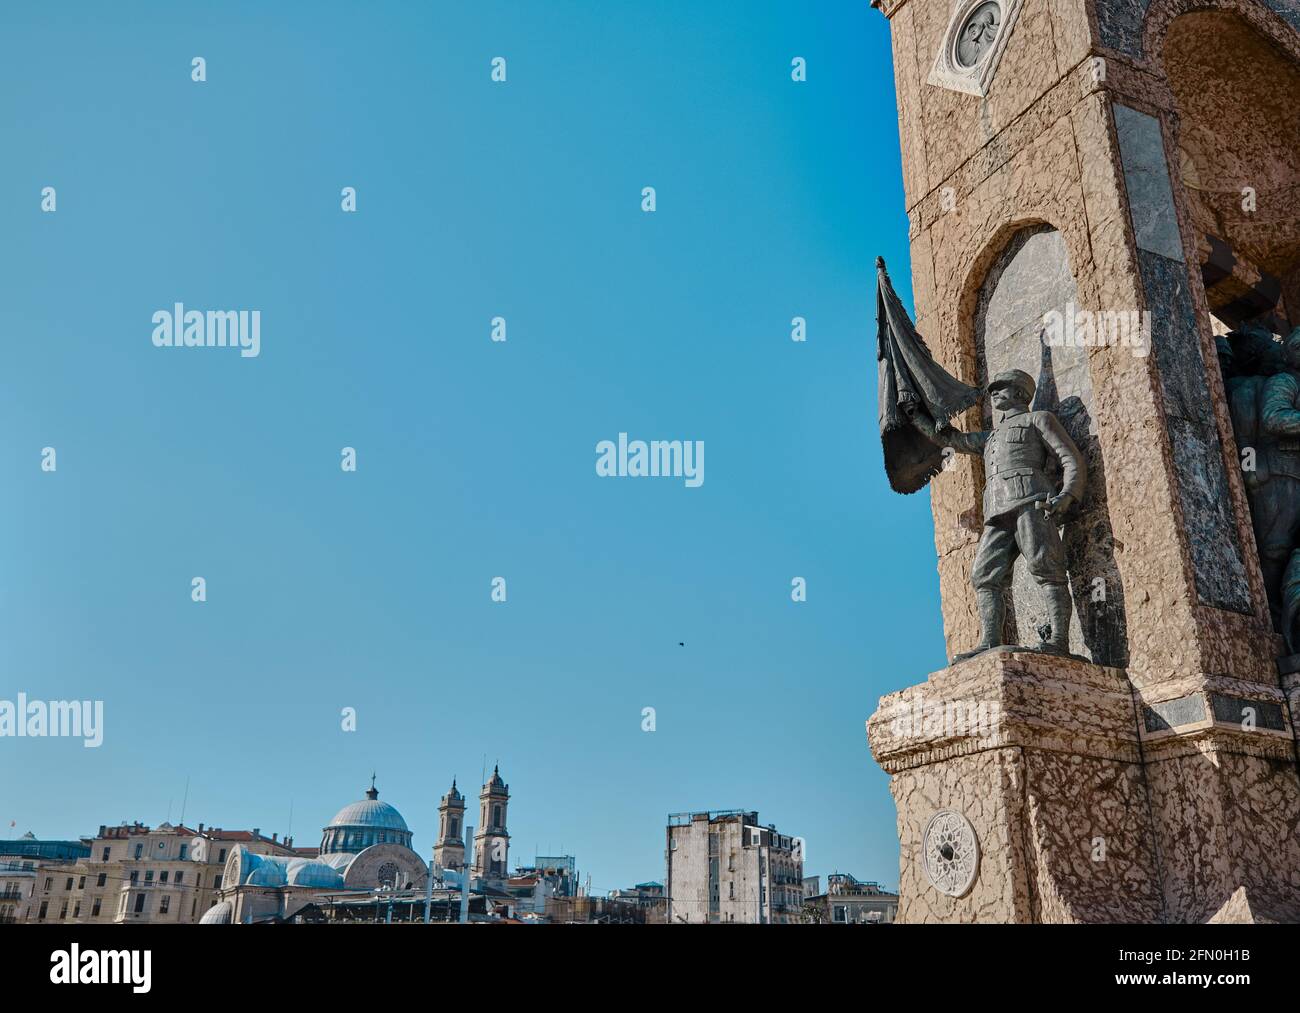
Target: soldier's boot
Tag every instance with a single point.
(993, 612)
(1055, 633)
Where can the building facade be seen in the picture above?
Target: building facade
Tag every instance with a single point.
(850, 901)
(723, 867)
(137, 873)
(20, 864)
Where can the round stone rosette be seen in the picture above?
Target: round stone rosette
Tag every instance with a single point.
(950, 853)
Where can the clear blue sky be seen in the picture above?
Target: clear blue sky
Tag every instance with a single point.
(372, 590)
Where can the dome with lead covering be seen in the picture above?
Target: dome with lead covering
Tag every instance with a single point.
(218, 914)
(361, 824)
(313, 873)
(266, 872)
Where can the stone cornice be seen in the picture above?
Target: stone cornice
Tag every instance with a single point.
(1009, 698)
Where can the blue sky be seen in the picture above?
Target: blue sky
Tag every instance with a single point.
(475, 459)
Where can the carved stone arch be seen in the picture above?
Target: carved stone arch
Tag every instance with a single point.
(992, 247)
(1134, 28)
(1267, 19)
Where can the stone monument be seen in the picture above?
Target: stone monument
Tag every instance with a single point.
(1102, 197)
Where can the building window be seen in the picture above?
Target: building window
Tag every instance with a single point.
(216, 881)
(81, 883)
(63, 911)
(148, 875)
(139, 850)
(162, 876)
(139, 903)
(106, 851)
(94, 908)
(45, 907)
(49, 883)
(221, 855)
(165, 904)
(76, 910)
(185, 850)
(496, 816)
(102, 879)
(135, 875)
(180, 875)
(68, 884)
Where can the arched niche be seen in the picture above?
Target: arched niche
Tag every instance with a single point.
(1024, 299)
(1237, 94)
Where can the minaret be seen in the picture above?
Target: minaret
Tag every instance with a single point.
(491, 842)
(449, 852)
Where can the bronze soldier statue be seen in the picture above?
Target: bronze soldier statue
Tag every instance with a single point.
(1021, 508)
(1274, 486)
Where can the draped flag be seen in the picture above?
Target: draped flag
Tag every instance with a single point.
(909, 375)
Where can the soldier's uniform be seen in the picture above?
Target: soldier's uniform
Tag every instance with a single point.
(1275, 495)
(1016, 454)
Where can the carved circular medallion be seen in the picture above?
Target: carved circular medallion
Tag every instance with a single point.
(977, 34)
(950, 853)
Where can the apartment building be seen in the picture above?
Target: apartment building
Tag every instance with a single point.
(850, 901)
(136, 873)
(20, 862)
(725, 867)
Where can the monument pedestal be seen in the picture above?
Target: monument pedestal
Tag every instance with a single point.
(1033, 788)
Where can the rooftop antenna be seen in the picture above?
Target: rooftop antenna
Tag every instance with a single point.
(185, 800)
(290, 831)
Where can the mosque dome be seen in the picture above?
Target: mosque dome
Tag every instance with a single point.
(218, 914)
(307, 872)
(266, 872)
(364, 823)
(369, 813)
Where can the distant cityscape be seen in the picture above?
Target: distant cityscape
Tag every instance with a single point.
(719, 867)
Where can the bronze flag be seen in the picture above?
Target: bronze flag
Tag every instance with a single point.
(909, 374)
